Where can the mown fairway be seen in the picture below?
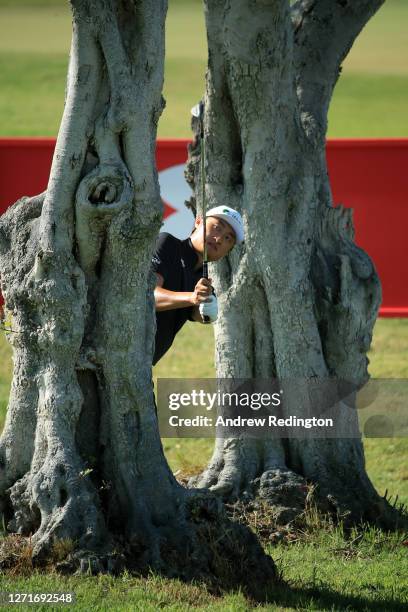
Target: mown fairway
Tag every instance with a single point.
(369, 100)
(326, 569)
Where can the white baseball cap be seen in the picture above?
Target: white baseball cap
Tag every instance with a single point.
(232, 217)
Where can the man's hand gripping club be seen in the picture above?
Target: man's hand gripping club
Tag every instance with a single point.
(204, 297)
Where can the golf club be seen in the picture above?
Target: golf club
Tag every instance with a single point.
(198, 112)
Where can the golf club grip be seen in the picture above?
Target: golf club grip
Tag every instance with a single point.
(205, 275)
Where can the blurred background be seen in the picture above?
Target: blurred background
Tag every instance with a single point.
(370, 98)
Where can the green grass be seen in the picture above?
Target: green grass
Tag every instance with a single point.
(5, 376)
(369, 100)
(34, 57)
(23, 4)
(325, 569)
(336, 576)
(382, 48)
(369, 105)
(23, 114)
(389, 349)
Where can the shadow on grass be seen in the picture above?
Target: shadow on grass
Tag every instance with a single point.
(323, 598)
(280, 595)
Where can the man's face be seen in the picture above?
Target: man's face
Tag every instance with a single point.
(220, 237)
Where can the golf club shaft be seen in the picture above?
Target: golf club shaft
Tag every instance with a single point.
(205, 262)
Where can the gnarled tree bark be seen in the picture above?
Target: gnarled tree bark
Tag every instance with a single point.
(80, 454)
(300, 299)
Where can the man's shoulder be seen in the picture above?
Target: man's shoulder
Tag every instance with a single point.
(164, 238)
(166, 252)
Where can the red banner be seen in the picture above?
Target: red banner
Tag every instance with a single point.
(366, 175)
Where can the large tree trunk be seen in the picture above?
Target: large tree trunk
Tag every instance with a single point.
(300, 299)
(80, 455)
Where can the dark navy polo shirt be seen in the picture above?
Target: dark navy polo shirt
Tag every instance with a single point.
(175, 260)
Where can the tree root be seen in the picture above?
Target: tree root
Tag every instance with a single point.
(57, 502)
(286, 491)
(200, 544)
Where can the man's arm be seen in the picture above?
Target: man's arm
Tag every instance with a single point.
(170, 300)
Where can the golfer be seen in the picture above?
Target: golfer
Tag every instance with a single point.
(181, 292)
